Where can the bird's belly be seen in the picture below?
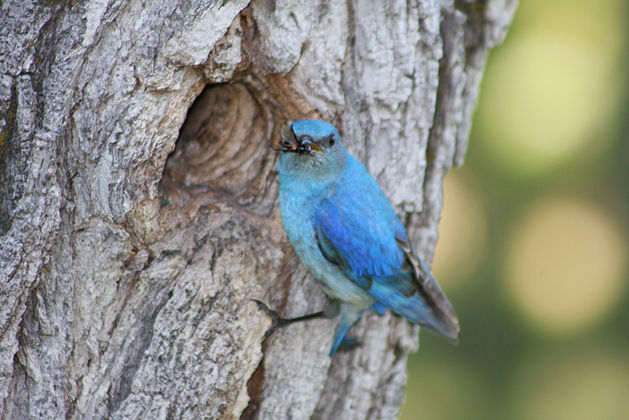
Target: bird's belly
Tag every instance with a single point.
(297, 222)
(332, 280)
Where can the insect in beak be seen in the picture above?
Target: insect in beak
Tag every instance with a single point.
(289, 143)
(307, 146)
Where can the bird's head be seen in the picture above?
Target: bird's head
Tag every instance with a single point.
(311, 148)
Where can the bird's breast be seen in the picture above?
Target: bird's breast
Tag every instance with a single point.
(297, 208)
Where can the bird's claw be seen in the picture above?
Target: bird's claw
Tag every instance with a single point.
(278, 322)
(349, 343)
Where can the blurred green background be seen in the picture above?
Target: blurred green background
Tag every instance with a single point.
(533, 247)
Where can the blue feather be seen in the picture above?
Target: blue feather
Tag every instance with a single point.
(346, 232)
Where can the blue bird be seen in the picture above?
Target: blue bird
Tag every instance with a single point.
(346, 233)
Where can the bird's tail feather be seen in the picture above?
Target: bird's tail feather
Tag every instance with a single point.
(415, 309)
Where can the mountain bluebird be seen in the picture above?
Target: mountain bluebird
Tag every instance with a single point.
(346, 233)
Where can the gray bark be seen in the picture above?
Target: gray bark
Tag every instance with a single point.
(136, 224)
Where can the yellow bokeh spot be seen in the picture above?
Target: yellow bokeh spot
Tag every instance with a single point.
(462, 232)
(582, 386)
(551, 95)
(566, 264)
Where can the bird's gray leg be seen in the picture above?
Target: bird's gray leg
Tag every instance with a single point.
(278, 322)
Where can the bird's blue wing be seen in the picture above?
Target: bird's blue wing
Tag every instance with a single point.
(358, 238)
(357, 229)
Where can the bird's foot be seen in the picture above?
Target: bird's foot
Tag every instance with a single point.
(278, 322)
(350, 343)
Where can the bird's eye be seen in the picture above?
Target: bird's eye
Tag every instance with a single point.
(332, 140)
(305, 138)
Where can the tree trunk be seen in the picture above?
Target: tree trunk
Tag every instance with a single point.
(138, 197)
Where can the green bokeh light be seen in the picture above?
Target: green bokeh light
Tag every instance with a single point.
(581, 384)
(551, 94)
(551, 124)
(445, 391)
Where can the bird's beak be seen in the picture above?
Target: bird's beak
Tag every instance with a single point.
(289, 143)
(307, 146)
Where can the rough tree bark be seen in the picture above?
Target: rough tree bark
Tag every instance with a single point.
(138, 198)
